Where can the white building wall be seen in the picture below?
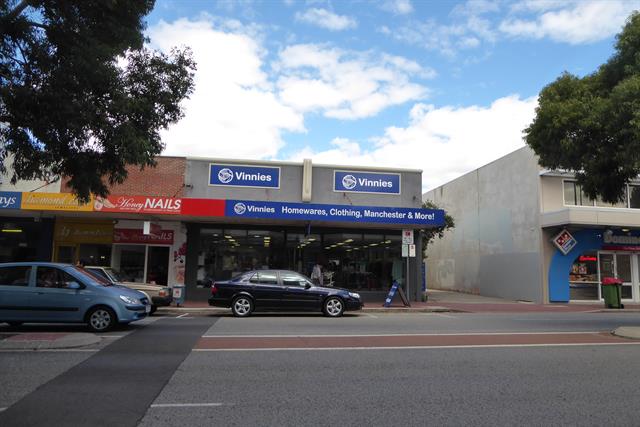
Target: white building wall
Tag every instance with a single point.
(495, 248)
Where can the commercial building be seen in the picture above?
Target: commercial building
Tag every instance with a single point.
(526, 233)
(211, 219)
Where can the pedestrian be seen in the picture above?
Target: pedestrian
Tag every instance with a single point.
(316, 274)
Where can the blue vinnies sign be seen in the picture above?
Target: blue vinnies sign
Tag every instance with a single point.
(344, 213)
(10, 200)
(244, 176)
(366, 182)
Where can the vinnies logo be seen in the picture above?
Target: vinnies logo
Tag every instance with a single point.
(225, 175)
(240, 208)
(349, 182)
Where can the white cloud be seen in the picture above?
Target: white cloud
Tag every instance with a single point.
(444, 142)
(346, 85)
(398, 7)
(326, 19)
(234, 111)
(573, 22)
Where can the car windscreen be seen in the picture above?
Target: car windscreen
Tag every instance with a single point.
(115, 275)
(96, 278)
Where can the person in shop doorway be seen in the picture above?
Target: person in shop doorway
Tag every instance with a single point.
(316, 274)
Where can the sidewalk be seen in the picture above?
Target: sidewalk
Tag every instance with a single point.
(45, 340)
(445, 301)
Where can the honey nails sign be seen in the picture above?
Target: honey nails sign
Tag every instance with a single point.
(138, 204)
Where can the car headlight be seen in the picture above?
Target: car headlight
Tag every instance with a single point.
(354, 295)
(129, 300)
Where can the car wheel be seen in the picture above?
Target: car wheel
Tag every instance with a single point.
(154, 308)
(101, 319)
(242, 306)
(15, 324)
(333, 307)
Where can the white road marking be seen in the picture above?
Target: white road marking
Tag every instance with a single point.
(182, 315)
(112, 336)
(184, 405)
(406, 335)
(3, 409)
(426, 347)
(370, 315)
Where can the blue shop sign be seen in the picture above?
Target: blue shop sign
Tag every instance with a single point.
(10, 200)
(343, 213)
(366, 182)
(244, 176)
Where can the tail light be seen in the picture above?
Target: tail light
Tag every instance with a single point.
(214, 290)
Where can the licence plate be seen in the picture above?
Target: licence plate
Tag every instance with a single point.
(147, 308)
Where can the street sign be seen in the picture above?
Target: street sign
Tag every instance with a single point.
(405, 251)
(412, 250)
(407, 237)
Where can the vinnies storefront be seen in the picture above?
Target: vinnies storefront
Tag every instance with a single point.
(258, 215)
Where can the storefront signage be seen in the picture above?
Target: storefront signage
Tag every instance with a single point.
(321, 212)
(10, 200)
(203, 207)
(244, 176)
(615, 242)
(138, 204)
(136, 236)
(366, 182)
(564, 241)
(53, 202)
(83, 232)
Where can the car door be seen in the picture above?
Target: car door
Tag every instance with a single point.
(266, 290)
(53, 300)
(15, 292)
(299, 293)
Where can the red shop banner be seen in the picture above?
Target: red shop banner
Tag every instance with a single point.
(134, 235)
(138, 204)
(203, 207)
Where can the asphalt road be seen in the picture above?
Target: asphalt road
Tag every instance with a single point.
(161, 373)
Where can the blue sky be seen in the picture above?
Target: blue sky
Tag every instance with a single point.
(441, 86)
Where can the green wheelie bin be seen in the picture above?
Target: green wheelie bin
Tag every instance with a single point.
(612, 292)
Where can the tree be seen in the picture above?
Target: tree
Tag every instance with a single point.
(591, 125)
(428, 235)
(80, 94)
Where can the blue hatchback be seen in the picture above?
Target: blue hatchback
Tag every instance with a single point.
(46, 292)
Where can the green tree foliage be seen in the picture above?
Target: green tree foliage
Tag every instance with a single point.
(80, 94)
(428, 235)
(591, 125)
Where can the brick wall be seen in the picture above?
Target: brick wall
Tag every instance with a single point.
(166, 179)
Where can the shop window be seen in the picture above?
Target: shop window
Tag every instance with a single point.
(620, 204)
(574, 196)
(583, 278)
(128, 260)
(634, 196)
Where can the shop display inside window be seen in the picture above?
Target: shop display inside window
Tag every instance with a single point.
(583, 277)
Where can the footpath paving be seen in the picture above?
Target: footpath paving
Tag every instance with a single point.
(46, 340)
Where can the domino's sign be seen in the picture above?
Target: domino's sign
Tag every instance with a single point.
(244, 176)
(366, 182)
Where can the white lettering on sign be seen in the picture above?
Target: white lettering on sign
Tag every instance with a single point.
(253, 177)
(262, 209)
(5, 202)
(162, 203)
(380, 183)
(609, 237)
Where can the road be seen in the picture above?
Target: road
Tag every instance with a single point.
(363, 369)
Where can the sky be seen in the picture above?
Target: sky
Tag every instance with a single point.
(441, 86)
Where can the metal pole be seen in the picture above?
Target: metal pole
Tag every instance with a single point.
(408, 294)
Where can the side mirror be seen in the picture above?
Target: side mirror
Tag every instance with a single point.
(307, 285)
(74, 285)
